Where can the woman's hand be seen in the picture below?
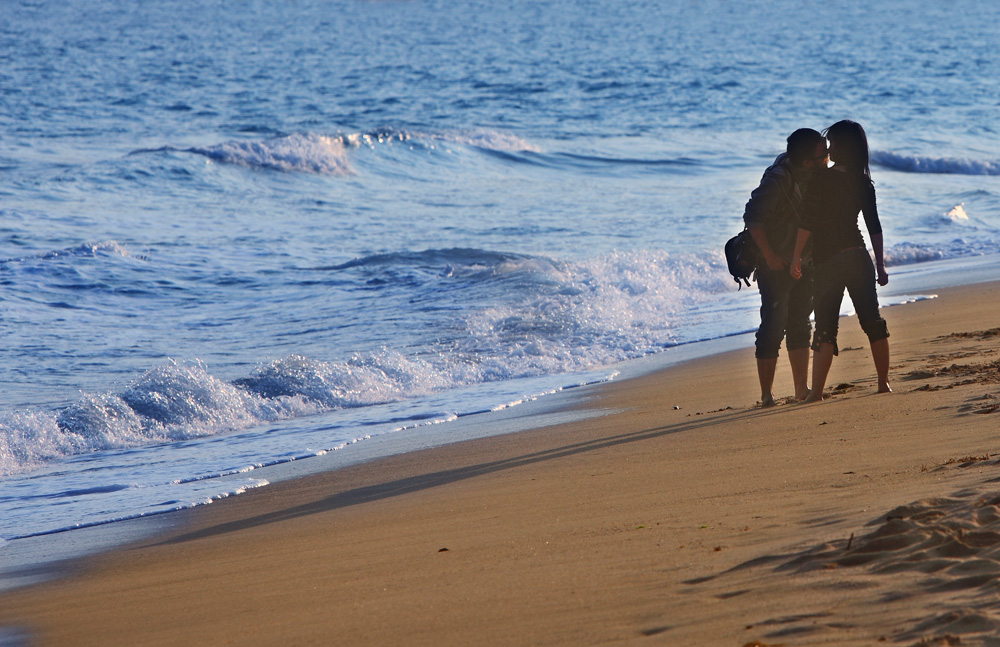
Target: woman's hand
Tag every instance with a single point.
(800, 245)
(795, 269)
(883, 276)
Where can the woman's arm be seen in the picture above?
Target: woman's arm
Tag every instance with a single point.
(883, 277)
(800, 244)
(870, 212)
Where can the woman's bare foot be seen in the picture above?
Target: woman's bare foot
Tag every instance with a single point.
(884, 388)
(813, 398)
(767, 401)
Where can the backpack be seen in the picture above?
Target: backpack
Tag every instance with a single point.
(741, 255)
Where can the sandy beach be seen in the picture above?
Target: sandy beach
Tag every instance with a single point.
(682, 515)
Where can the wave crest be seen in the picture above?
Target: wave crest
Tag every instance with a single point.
(330, 154)
(297, 152)
(940, 165)
(363, 380)
(83, 250)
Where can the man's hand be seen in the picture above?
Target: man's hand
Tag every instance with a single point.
(772, 260)
(883, 276)
(775, 262)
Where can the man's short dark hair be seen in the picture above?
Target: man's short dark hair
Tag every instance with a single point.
(802, 144)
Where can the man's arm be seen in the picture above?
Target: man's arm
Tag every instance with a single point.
(763, 202)
(774, 262)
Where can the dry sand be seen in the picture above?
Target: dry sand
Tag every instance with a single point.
(684, 516)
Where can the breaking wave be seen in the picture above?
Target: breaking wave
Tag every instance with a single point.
(942, 165)
(331, 154)
(175, 402)
(297, 152)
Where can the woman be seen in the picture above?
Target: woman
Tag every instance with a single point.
(830, 217)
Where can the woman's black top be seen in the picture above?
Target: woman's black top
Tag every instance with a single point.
(830, 211)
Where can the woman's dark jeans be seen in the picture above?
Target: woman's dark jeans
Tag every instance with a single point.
(852, 269)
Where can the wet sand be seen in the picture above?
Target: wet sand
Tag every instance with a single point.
(684, 515)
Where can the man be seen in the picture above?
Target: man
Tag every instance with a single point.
(772, 216)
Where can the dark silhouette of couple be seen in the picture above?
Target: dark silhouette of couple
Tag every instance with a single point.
(804, 219)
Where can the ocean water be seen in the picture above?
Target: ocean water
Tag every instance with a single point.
(235, 235)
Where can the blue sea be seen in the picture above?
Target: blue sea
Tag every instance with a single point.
(239, 235)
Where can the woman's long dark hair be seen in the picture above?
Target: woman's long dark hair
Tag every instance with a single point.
(852, 145)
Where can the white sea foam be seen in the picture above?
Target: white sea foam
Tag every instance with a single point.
(491, 140)
(361, 380)
(944, 165)
(168, 403)
(173, 396)
(594, 312)
(249, 485)
(957, 213)
(306, 152)
(217, 491)
(102, 248)
(373, 139)
(330, 154)
(486, 139)
(29, 438)
(906, 253)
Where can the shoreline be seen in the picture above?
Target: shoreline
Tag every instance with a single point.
(643, 520)
(35, 552)
(908, 281)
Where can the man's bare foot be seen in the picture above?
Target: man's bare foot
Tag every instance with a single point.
(818, 397)
(884, 388)
(802, 396)
(767, 401)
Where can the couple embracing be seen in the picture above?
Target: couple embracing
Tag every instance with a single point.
(804, 219)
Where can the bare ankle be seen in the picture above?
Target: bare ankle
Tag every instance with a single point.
(813, 397)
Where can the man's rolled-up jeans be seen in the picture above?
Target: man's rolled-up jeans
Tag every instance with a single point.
(785, 306)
